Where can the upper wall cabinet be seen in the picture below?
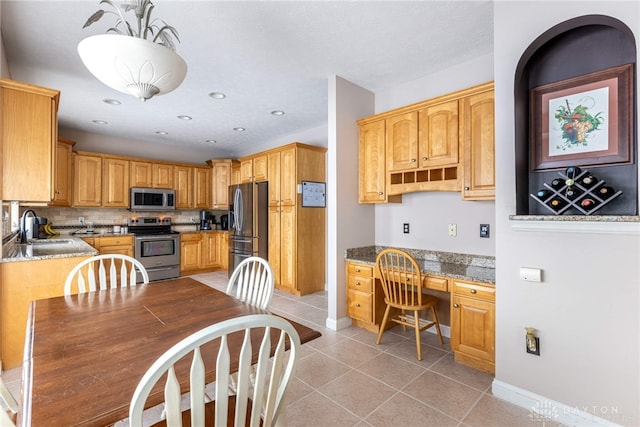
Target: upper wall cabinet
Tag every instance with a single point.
(479, 146)
(29, 137)
(63, 183)
(433, 145)
(151, 175)
(372, 164)
(221, 179)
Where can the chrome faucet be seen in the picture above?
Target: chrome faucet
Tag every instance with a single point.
(23, 225)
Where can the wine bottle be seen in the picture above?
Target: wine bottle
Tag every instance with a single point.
(572, 172)
(572, 193)
(557, 184)
(556, 203)
(543, 194)
(588, 181)
(605, 192)
(588, 203)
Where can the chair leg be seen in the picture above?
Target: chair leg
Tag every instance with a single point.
(385, 318)
(417, 327)
(404, 317)
(437, 322)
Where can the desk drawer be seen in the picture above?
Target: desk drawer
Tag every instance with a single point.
(436, 283)
(360, 269)
(364, 284)
(474, 290)
(359, 305)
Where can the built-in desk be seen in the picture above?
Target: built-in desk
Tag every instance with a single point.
(464, 283)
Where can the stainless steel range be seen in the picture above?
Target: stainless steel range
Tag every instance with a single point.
(156, 246)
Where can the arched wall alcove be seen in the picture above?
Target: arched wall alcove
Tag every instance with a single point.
(573, 48)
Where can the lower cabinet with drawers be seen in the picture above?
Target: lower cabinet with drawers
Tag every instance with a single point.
(472, 326)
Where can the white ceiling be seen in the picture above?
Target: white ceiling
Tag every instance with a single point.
(264, 55)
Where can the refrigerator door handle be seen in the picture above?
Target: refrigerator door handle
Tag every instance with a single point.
(237, 209)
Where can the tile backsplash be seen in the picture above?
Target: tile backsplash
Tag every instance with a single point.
(106, 217)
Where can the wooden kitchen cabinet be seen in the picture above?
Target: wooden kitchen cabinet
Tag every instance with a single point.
(191, 245)
(21, 283)
(254, 169)
(151, 175)
(87, 180)
(183, 183)
(202, 187)
(478, 118)
(402, 141)
(122, 245)
(115, 183)
(141, 174)
(438, 135)
(473, 324)
(372, 167)
(221, 179)
(215, 250)
(365, 298)
(296, 233)
(236, 173)
(432, 145)
(63, 187)
(29, 135)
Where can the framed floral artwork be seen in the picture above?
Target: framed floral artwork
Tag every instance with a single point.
(584, 120)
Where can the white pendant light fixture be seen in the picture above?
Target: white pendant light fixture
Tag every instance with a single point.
(128, 61)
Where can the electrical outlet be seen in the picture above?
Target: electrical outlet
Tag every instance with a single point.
(405, 228)
(453, 230)
(193, 219)
(81, 220)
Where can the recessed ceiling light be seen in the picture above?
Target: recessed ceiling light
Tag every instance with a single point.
(217, 95)
(277, 113)
(183, 117)
(162, 132)
(111, 101)
(211, 141)
(239, 129)
(100, 122)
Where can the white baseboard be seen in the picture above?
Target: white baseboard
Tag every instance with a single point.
(547, 410)
(336, 325)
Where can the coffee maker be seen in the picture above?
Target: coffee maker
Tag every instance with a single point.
(205, 220)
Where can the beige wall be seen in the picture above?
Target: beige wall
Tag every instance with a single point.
(586, 309)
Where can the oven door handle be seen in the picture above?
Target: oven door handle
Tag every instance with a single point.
(160, 268)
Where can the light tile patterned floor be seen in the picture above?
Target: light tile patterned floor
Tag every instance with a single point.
(345, 379)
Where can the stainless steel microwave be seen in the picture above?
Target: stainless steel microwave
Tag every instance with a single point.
(152, 199)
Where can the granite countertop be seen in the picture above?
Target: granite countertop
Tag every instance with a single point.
(40, 249)
(476, 268)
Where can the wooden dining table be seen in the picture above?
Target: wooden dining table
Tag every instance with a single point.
(85, 354)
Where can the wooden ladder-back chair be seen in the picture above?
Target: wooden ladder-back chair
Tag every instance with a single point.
(402, 285)
(104, 271)
(260, 404)
(252, 282)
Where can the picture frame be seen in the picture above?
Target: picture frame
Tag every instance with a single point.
(585, 120)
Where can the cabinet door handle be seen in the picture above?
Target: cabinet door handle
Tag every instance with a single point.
(357, 305)
(380, 193)
(413, 160)
(357, 283)
(357, 270)
(424, 158)
(456, 305)
(466, 188)
(473, 291)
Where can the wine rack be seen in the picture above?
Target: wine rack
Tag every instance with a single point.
(572, 193)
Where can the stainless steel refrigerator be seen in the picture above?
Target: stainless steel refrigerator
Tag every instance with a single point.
(248, 222)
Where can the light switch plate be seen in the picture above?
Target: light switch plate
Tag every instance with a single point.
(453, 230)
(531, 274)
